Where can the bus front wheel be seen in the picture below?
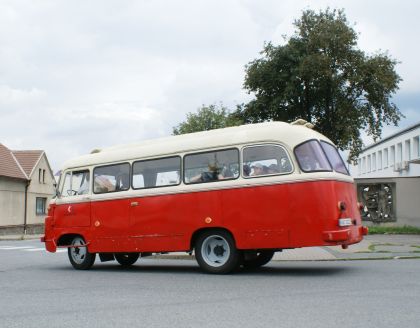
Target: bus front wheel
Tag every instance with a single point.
(215, 252)
(126, 259)
(79, 257)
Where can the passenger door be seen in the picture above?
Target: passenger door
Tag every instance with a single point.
(73, 205)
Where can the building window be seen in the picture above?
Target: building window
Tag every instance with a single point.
(39, 175)
(385, 157)
(392, 159)
(374, 162)
(364, 165)
(43, 176)
(399, 152)
(380, 160)
(369, 163)
(416, 148)
(407, 150)
(41, 205)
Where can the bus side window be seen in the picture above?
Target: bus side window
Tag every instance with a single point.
(211, 166)
(111, 178)
(157, 172)
(264, 160)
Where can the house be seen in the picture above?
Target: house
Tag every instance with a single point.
(26, 187)
(387, 177)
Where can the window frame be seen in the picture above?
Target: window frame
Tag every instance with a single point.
(265, 175)
(206, 152)
(108, 165)
(154, 159)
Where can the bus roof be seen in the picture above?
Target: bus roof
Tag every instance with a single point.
(287, 134)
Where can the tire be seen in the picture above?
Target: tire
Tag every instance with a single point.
(215, 252)
(79, 257)
(258, 260)
(126, 259)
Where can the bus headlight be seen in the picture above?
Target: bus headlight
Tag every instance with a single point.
(344, 222)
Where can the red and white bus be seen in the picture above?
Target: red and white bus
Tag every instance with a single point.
(233, 196)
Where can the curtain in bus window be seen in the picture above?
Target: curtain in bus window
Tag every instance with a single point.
(334, 157)
(311, 157)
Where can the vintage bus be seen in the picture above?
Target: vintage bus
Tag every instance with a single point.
(233, 196)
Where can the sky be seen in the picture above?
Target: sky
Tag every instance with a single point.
(78, 75)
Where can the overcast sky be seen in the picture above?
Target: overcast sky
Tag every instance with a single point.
(78, 75)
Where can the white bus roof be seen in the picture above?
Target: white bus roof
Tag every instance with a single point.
(287, 134)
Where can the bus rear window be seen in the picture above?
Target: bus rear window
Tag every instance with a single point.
(334, 158)
(311, 157)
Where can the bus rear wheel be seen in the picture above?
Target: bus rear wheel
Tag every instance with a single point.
(257, 259)
(215, 252)
(126, 259)
(79, 257)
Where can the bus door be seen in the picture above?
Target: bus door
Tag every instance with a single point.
(73, 205)
(111, 208)
(156, 215)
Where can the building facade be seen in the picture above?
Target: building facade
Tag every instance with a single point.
(387, 177)
(26, 187)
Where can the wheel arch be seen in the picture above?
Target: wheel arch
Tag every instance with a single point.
(66, 239)
(198, 232)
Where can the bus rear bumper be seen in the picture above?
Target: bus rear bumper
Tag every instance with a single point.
(344, 235)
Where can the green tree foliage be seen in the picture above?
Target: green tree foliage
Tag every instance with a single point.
(320, 75)
(207, 118)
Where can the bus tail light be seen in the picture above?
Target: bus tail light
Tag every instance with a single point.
(342, 206)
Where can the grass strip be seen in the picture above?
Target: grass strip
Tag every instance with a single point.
(402, 230)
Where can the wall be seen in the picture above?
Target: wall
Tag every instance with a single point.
(39, 187)
(12, 200)
(406, 198)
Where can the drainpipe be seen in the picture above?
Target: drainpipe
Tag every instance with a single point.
(26, 205)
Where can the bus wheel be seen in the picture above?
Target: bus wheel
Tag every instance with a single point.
(126, 259)
(215, 252)
(79, 257)
(258, 260)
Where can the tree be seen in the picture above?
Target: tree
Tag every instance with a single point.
(320, 75)
(207, 118)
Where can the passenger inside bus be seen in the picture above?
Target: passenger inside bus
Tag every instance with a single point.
(257, 169)
(212, 174)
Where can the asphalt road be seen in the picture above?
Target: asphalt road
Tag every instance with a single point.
(39, 289)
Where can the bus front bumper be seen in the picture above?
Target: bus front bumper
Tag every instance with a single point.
(50, 244)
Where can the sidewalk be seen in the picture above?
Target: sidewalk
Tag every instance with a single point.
(372, 247)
